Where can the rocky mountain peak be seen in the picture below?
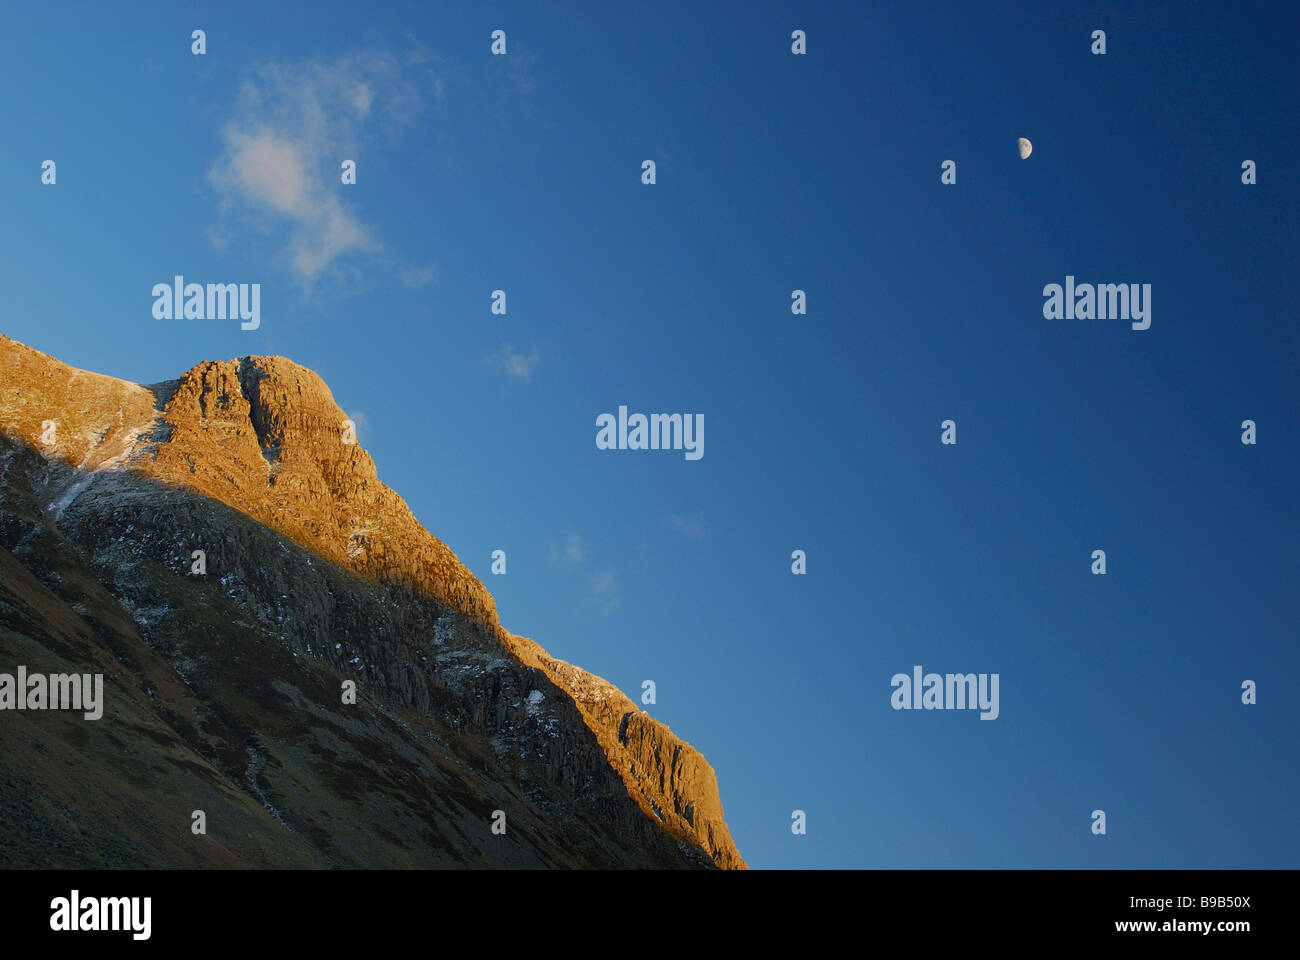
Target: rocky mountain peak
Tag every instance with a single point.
(264, 437)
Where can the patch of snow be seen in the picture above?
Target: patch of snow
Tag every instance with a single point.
(64, 498)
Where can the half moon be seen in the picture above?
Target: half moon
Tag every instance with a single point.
(1026, 148)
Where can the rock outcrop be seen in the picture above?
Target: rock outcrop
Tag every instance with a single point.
(135, 476)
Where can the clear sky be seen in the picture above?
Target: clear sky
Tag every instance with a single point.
(775, 172)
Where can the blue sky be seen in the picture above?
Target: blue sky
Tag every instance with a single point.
(775, 172)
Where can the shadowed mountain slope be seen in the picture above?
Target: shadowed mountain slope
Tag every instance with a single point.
(223, 689)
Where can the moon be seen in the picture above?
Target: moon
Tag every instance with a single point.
(1026, 148)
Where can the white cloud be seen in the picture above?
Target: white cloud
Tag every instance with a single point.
(570, 555)
(269, 170)
(692, 528)
(604, 592)
(292, 127)
(514, 364)
(362, 98)
(416, 277)
(602, 586)
(361, 423)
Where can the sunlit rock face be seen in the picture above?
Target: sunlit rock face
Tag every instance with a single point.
(223, 687)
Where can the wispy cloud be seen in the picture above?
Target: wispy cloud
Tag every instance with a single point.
(292, 127)
(361, 424)
(521, 71)
(517, 365)
(692, 528)
(569, 555)
(416, 277)
(604, 592)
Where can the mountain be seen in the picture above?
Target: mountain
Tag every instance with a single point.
(223, 687)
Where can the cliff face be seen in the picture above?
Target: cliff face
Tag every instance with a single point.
(317, 567)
